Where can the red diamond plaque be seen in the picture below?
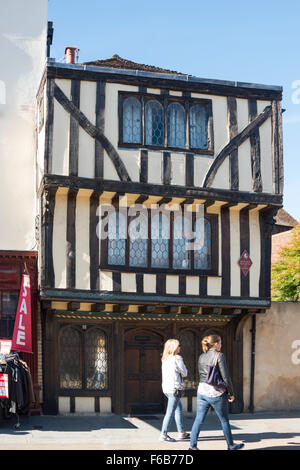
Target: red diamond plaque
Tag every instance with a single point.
(245, 262)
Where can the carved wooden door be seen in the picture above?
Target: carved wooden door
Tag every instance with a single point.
(143, 392)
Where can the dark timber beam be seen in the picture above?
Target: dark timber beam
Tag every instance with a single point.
(234, 144)
(93, 131)
(159, 190)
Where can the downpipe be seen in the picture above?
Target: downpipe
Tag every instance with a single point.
(253, 339)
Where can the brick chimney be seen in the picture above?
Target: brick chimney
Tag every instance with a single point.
(70, 54)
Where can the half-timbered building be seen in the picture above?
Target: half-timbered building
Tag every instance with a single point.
(120, 142)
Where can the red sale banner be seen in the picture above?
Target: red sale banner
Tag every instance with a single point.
(4, 385)
(21, 340)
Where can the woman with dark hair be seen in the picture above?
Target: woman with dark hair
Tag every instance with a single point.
(208, 395)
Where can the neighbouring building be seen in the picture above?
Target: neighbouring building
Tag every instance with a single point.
(23, 32)
(114, 134)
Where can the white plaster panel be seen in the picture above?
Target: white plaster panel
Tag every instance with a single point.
(221, 179)
(105, 405)
(84, 404)
(149, 283)
(178, 169)
(86, 155)
(128, 282)
(255, 253)
(265, 133)
(245, 172)
(63, 405)
(172, 284)
(109, 170)
(59, 238)
(82, 241)
(242, 113)
(131, 160)
(192, 285)
(106, 281)
(201, 166)
(61, 135)
(235, 253)
(155, 167)
(214, 285)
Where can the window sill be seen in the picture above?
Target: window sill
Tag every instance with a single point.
(154, 148)
(169, 271)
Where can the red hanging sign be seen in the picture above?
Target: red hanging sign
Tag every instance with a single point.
(4, 385)
(21, 340)
(245, 262)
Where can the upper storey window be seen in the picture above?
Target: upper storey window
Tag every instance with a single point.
(165, 122)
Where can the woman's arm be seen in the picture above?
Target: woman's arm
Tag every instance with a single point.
(180, 366)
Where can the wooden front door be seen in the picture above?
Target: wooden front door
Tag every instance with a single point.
(143, 392)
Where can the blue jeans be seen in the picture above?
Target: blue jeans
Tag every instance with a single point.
(220, 405)
(174, 408)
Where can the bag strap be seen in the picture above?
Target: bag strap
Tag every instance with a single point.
(216, 359)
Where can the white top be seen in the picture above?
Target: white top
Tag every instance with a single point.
(173, 369)
(208, 390)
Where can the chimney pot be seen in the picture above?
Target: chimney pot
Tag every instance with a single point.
(70, 54)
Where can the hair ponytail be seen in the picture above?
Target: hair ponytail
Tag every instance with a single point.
(208, 342)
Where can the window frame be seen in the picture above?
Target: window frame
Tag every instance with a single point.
(85, 392)
(165, 100)
(213, 271)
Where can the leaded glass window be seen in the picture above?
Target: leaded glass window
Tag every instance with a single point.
(154, 121)
(96, 359)
(198, 126)
(180, 244)
(70, 359)
(132, 120)
(202, 253)
(160, 241)
(176, 125)
(116, 238)
(138, 245)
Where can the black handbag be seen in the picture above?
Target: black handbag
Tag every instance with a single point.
(214, 377)
(178, 393)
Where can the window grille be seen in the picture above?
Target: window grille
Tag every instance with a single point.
(116, 238)
(154, 123)
(70, 359)
(176, 125)
(181, 258)
(160, 241)
(132, 120)
(198, 126)
(202, 255)
(96, 359)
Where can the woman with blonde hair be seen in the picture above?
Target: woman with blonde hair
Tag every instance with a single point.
(173, 371)
(212, 395)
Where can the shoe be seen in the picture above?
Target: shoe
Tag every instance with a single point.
(193, 448)
(184, 435)
(166, 438)
(236, 447)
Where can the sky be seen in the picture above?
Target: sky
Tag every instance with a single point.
(255, 42)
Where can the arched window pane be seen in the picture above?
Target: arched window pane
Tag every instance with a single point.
(198, 126)
(202, 255)
(160, 241)
(70, 353)
(180, 252)
(132, 120)
(96, 359)
(116, 238)
(176, 125)
(138, 246)
(154, 123)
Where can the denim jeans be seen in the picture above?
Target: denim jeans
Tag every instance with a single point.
(174, 408)
(220, 405)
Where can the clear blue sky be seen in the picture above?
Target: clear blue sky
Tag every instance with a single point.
(257, 42)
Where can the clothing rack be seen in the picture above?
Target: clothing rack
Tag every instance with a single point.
(20, 389)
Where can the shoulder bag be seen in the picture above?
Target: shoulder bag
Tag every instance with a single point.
(214, 377)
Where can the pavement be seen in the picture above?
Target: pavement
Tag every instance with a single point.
(258, 431)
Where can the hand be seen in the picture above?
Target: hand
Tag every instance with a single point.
(231, 398)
